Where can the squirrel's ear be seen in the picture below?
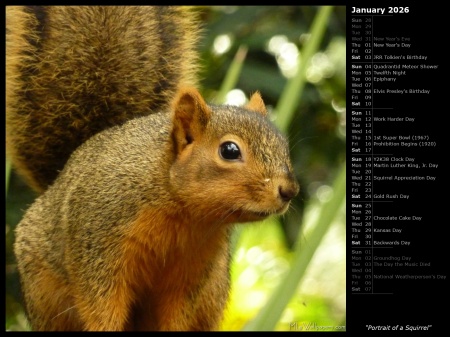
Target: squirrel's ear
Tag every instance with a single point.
(190, 116)
(256, 104)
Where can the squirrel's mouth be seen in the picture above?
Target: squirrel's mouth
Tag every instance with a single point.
(260, 215)
(249, 215)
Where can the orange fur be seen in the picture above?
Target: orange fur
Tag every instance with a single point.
(165, 247)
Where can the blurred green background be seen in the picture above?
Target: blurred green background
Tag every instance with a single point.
(289, 273)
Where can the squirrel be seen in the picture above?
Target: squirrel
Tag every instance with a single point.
(141, 181)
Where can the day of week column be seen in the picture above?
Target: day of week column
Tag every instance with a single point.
(361, 151)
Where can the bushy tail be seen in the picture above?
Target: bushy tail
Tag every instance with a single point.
(74, 71)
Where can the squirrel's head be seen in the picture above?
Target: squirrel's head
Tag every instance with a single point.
(230, 163)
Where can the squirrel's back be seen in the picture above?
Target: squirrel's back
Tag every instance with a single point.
(71, 72)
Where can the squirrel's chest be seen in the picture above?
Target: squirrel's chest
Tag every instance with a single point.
(176, 275)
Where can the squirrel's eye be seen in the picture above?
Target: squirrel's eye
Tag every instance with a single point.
(230, 151)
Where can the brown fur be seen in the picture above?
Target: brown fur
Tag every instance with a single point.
(134, 232)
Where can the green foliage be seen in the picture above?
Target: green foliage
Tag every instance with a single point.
(270, 314)
(293, 91)
(310, 108)
(8, 173)
(232, 75)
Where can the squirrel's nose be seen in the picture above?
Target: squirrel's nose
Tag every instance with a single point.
(288, 191)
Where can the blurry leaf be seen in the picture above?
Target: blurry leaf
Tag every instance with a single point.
(232, 75)
(266, 79)
(290, 97)
(8, 173)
